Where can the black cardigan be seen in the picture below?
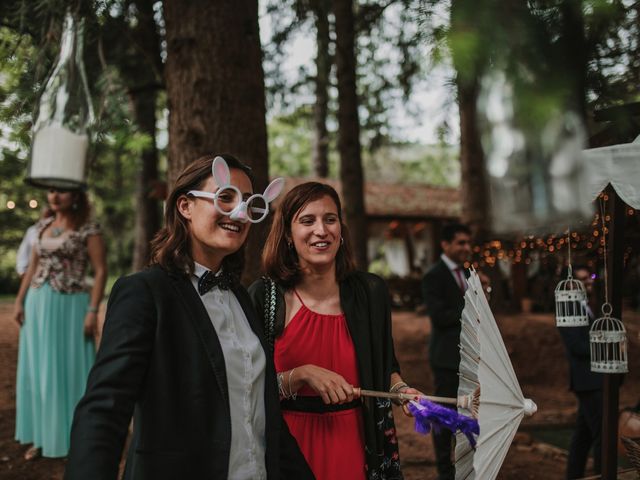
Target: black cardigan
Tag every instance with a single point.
(364, 299)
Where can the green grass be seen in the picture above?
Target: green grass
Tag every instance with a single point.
(7, 297)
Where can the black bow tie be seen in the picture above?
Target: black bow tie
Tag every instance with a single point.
(209, 280)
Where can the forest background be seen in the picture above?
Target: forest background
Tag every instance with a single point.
(172, 80)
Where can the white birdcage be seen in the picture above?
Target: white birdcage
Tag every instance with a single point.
(608, 339)
(571, 303)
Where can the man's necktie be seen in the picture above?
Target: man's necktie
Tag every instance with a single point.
(461, 282)
(209, 280)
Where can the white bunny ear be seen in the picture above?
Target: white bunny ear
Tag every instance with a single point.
(220, 171)
(274, 189)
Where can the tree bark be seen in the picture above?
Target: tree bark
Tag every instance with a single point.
(215, 90)
(473, 185)
(351, 174)
(575, 57)
(323, 70)
(142, 82)
(147, 221)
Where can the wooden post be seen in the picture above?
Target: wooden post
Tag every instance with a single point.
(611, 386)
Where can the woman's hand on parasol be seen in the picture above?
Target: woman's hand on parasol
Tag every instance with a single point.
(332, 387)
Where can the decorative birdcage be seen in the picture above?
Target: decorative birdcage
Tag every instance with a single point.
(608, 339)
(571, 303)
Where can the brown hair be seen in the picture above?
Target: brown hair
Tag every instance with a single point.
(171, 246)
(80, 209)
(279, 261)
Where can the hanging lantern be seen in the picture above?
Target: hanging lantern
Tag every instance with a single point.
(571, 303)
(60, 132)
(608, 339)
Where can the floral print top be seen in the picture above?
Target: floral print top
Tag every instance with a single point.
(63, 261)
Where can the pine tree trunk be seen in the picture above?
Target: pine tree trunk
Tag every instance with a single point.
(321, 107)
(469, 70)
(147, 220)
(351, 174)
(575, 55)
(140, 65)
(473, 184)
(215, 89)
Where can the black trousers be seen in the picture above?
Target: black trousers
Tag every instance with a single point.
(446, 385)
(587, 434)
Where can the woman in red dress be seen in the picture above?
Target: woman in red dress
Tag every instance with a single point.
(331, 330)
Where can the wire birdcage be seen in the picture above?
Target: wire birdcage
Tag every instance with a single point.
(608, 339)
(571, 303)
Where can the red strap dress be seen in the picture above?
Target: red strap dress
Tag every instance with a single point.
(331, 442)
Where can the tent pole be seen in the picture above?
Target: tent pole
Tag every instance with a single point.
(611, 385)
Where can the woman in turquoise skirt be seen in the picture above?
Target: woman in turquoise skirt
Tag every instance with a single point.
(57, 314)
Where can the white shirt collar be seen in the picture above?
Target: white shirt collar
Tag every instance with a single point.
(199, 270)
(451, 265)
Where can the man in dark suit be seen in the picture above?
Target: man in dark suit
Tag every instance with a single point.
(443, 289)
(587, 387)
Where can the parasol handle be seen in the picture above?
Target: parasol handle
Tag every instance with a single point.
(469, 402)
(359, 392)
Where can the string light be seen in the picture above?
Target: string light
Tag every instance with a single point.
(11, 204)
(530, 248)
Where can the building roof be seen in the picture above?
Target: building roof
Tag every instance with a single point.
(400, 200)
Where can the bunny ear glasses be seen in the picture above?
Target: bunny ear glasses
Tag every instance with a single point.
(228, 199)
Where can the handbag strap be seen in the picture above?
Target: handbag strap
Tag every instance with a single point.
(269, 310)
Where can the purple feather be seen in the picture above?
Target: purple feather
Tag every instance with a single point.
(430, 415)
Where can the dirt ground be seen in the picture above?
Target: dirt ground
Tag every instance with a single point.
(532, 341)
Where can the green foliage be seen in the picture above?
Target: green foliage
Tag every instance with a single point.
(414, 163)
(290, 144)
(290, 155)
(27, 52)
(17, 74)
(390, 62)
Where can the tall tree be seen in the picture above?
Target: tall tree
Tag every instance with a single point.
(321, 9)
(215, 89)
(351, 174)
(469, 61)
(134, 47)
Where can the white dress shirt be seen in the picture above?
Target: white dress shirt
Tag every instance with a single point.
(245, 364)
(453, 267)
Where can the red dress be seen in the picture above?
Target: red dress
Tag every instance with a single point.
(332, 442)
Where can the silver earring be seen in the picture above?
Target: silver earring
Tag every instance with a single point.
(341, 240)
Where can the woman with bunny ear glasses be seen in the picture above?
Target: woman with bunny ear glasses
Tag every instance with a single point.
(183, 351)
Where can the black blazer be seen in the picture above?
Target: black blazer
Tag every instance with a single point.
(445, 302)
(160, 360)
(576, 342)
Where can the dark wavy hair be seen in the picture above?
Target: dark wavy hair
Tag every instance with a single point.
(279, 261)
(171, 246)
(80, 210)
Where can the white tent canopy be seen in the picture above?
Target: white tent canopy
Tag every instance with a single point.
(618, 165)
